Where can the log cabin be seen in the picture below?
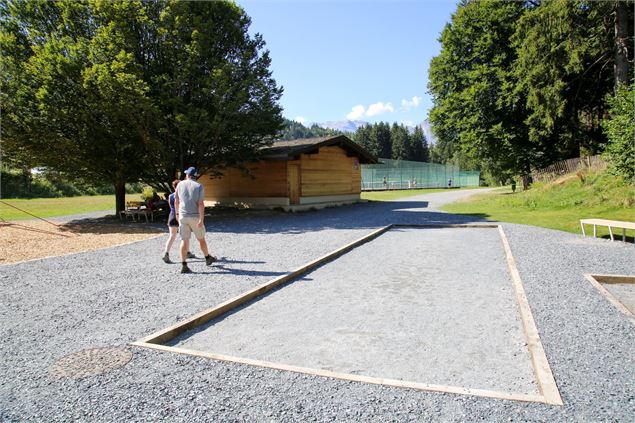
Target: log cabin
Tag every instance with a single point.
(294, 175)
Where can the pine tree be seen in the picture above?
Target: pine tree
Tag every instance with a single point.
(401, 147)
(420, 151)
(381, 140)
(363, 137)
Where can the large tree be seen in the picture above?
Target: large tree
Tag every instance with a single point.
(74, 98)
(475, 117)
(217, 99)
(523, 84)
(565, 69)
(134, 90)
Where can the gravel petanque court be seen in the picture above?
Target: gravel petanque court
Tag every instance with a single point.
(426, 305)
(69, 324)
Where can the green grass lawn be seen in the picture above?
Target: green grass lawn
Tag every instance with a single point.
(557, 205)
(391, 195)
(51, 207)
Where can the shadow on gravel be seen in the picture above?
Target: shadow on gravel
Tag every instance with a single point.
(366, 215)
(223, 266)
(225, 260)
(216, 269)
(357, 216)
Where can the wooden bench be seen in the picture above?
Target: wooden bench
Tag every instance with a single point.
(136, 209)
(608, 223)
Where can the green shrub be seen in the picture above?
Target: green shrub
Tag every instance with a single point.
(620, 130)
(147, 193)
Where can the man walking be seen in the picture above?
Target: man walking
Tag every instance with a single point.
(190, 212)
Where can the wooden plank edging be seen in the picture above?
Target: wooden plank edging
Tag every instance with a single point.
(203, 317)
(596, 282)
(350, 377)
(546, 382)
(548, 390)
(446, 225)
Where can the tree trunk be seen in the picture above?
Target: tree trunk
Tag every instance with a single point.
(621, 40)
(120, 197)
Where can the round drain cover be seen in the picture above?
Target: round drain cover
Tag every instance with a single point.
(90, 362)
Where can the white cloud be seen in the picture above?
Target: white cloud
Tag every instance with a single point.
(356, 113)
(300, 119)
(379, 108)
(410, 104)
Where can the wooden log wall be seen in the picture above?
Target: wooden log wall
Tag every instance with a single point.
(331, 172)
(267, 179)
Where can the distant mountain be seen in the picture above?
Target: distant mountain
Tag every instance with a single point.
(343, 125)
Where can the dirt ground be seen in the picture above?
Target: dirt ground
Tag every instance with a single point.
(28, 240)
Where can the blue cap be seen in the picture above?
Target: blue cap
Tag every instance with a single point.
(191, 171)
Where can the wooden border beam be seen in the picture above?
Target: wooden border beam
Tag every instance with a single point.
(598, 280)
(546, 382)
(203, 317)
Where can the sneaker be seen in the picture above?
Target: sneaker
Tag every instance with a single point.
(166, 258)
(209, 260)
(185, 269)
(190, 255)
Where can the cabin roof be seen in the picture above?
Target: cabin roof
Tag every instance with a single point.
(292, 149)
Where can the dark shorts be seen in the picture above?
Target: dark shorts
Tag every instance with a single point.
(172, 221)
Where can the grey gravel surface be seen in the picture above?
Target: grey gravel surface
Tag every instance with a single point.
(401, 306)
(57, 306)
(624, 293)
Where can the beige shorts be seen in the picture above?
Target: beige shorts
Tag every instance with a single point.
(188, 225)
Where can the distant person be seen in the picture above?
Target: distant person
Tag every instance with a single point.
(450, 183)
(156, 202)
(414, 183)
(173, 225)
(513, 185)
(385, 183)
(189, 204)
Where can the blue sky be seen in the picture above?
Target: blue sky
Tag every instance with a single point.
(362, 60)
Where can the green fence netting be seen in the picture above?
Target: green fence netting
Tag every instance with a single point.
(404, 174)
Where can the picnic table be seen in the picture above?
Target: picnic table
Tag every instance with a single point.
(136, 209)
(610, 224)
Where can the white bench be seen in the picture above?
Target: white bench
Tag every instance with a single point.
(610, 224)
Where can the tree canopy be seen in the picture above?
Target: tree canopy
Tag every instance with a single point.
(134, 90)
(522, 84)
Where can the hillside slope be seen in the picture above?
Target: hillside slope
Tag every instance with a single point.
(559, 204)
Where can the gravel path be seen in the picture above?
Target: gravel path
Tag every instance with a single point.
(53, 307)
